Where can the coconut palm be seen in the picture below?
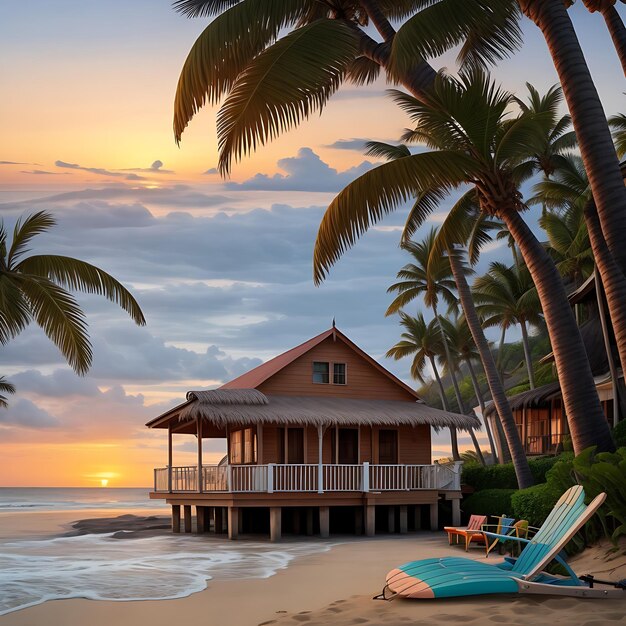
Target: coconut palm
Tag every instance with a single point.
(5, 388)
(507, 297)
(618, 129)
(473, 141)
(35, 288)
(614, 23)
(423, 341)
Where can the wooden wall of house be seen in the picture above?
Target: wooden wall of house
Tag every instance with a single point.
(363, 380)
(414, 445)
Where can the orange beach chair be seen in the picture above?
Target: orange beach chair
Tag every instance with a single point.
(471, 532)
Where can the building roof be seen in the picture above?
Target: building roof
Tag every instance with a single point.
(532, 398)
(258, 375)
(240, 407)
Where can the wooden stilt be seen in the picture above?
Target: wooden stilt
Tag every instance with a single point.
(434, 516)
(404, 519)
(233, 522)
(391, 519)
(275, 523)
(370, 520)
(200, 512)
(175, 518)
(187, 514)
(324, 521)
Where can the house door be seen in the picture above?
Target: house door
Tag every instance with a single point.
(291, 445)
(346, 450)
(388, 447)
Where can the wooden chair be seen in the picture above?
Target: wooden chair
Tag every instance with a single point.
(471, 532)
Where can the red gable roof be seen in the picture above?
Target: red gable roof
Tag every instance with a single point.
(258, 375)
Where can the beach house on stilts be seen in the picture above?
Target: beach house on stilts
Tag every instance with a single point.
(320, 439)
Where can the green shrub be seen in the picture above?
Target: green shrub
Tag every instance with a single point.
(489, 502)
(534, 504)
(619, 434)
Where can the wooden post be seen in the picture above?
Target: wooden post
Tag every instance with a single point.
(358, 520)
(259, 444)
(219, 523)
(199, 436)
(434, 516)
(200, 513)
(320, 468)
(456, 512)
(275, 523)
(370, 520)
(233, 522)
(309, 521)
(187, 512)
(169, 461)
(175, 518)
(391, 519)
(366, 477)
(324, 522)
(404, 519)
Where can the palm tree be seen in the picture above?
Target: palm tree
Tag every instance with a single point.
(618, 126)
(34, 288)
(423, 341)
(5, 388)
(614, 23)
(507, 297)
(472, 141)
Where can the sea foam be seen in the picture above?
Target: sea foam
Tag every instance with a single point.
(99, 567)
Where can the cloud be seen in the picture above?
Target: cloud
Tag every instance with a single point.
(305, 172)
(97, 170)
(25, 414)
(42, 172)
(155, 168)
(212, 170)
(15, 163)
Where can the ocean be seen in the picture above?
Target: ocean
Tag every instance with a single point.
(101, 567)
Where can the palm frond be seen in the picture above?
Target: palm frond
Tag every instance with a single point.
(77, 275)
(14, 311)
(362, 71)
(618, 129)
(285, 84)
(35, 224)
(387, 151)
(5, 388)
(202, 8)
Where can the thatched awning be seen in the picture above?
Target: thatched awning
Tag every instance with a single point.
(239, 407)
(533, 398)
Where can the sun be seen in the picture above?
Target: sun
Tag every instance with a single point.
(104, 482)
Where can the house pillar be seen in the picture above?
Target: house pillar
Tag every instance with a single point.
(200, 514)
(324, 522)
(275, 523)
(175, 518)
(404, 519)
(199, 437)
(169, 461)
(187, 514)
(320, 468)
(233, 522)
(434, 516)
(370, 520)
(391, 519)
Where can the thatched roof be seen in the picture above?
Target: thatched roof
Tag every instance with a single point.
(238, 407)
(533, 398)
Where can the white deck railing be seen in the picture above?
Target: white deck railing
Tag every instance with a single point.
(301, 478)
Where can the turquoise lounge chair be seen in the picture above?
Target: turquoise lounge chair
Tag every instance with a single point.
(452, 576)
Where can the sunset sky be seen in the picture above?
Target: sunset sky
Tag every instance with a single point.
(222, 269)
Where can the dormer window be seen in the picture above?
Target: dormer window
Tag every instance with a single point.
(339, 373)
(320, 372)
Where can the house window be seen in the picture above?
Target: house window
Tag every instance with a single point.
(320, 372)
(339, 373)
(235, 447)
(388, 447)
(249, 446)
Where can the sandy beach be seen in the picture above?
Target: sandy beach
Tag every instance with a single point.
(336, 587)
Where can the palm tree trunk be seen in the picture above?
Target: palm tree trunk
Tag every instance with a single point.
(520, 462)
(587, 424)
(613, 280)
(527, 355)
(481, 404)
(454, 444)
(500, 347)
(588, 118)
(618, 32)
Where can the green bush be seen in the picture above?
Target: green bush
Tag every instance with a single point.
(489, 502)
(534, 504)
(619, 434)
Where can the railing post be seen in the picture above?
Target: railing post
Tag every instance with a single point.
(320, 478)
(406, 477)
(229, 477)
(270, 478)
(366, 476)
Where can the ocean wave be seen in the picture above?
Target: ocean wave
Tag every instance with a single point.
(98, 567)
